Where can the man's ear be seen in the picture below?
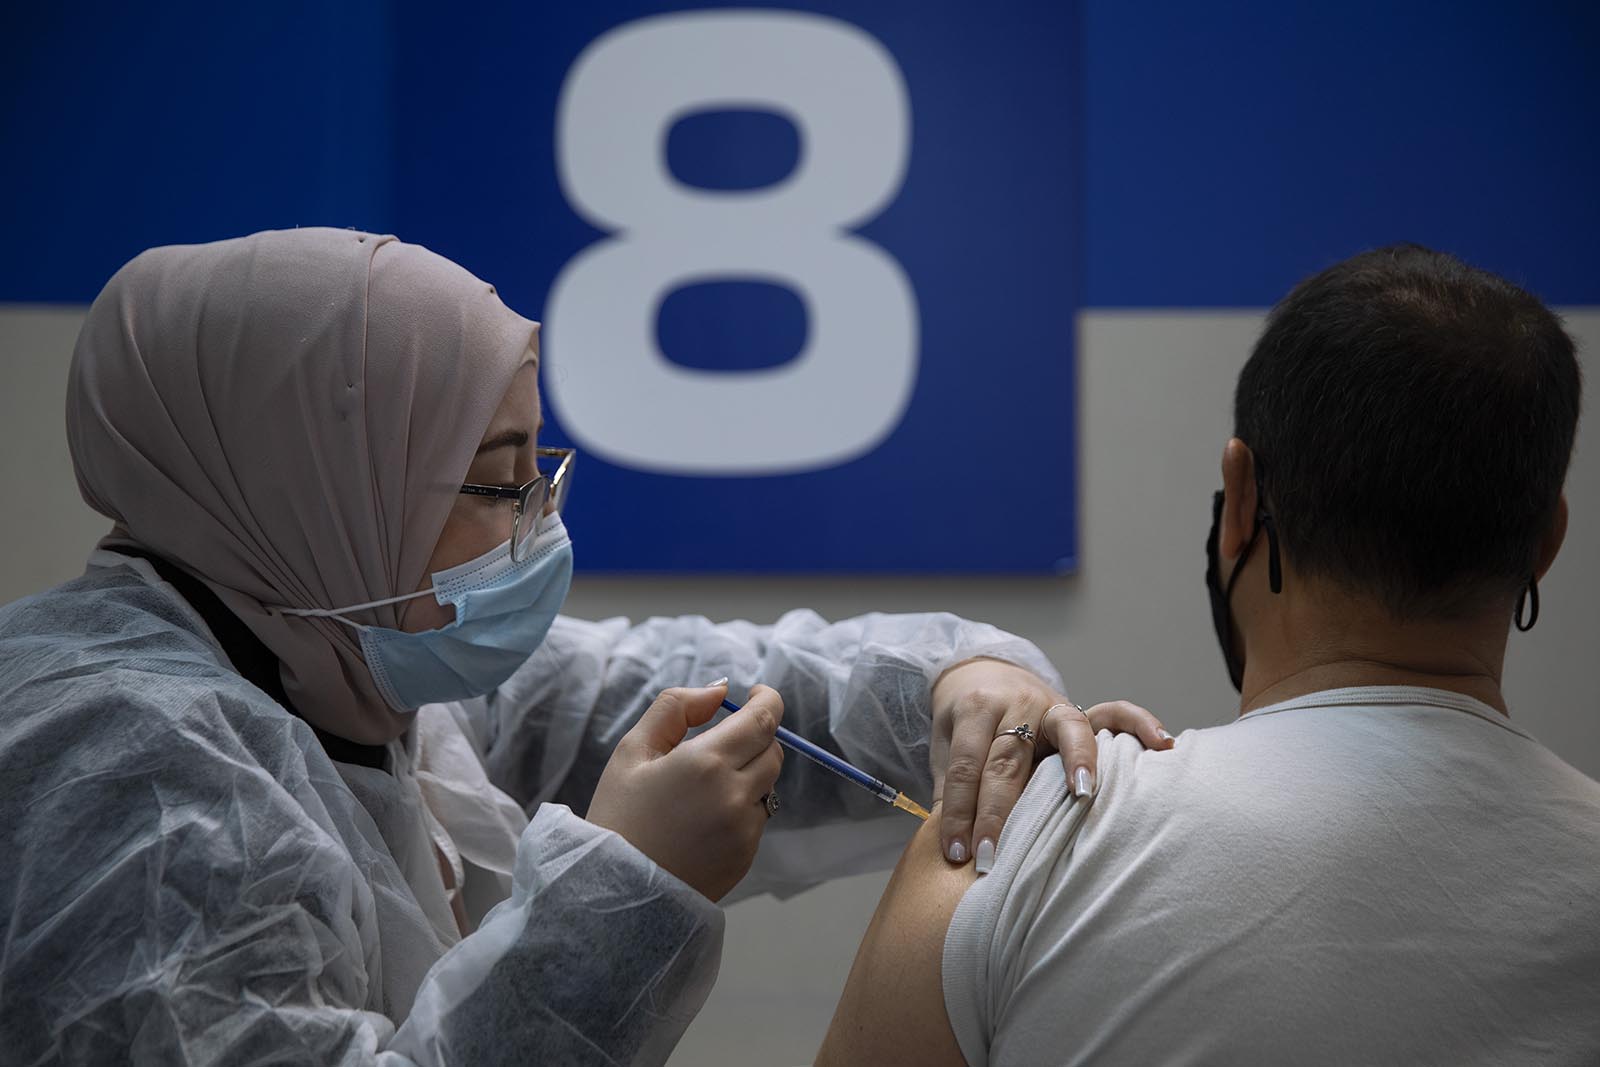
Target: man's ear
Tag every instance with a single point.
(1238, 499)
(1551, 542)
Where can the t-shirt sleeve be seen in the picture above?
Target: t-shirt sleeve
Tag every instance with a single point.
(983, 947)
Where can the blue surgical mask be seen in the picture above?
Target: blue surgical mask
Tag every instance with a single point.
(503, 611)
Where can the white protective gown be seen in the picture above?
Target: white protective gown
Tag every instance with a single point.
(188, 878)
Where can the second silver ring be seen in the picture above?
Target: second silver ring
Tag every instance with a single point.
(1023, 732)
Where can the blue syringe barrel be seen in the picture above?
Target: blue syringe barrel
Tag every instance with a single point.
(817, 754)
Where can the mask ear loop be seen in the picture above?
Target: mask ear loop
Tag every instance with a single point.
(1265, 521)
(1274, 561)
(1530, 593)
(337, 614)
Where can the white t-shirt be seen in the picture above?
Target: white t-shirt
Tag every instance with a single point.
(1373, 875)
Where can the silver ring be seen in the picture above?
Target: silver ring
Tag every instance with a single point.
(1075, 707)
(770, 802)
(1023, 733)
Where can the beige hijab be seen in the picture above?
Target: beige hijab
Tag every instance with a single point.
(288, 416)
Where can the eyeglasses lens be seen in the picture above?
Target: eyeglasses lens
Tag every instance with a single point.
(530, 505)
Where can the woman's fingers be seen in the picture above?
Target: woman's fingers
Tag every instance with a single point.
(990, 761)
(746, 734)
(1121, 717)
(695, 807)
(1068, 728)
(1005, 776)
(761, 773)
(669, 718)
(969, 760)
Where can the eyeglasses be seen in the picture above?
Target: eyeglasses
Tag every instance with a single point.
(543, 496)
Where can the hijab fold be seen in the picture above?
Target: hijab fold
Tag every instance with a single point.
(288, 417)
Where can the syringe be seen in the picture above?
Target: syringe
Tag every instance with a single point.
(877, 787)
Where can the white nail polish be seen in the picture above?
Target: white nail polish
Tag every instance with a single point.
(958, 852)
(985, 860)
(1163, 735)
(713, 685)
(1082, 782)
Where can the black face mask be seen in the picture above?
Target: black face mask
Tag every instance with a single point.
(1221, 618)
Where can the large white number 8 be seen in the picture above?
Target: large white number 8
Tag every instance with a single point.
(615, 392)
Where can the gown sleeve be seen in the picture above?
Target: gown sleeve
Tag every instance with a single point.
(859, 687)
(187, 879)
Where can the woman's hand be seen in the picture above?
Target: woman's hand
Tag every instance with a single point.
(694, 807)
(979, 777)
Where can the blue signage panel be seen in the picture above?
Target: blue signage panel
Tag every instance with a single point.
(808, 273)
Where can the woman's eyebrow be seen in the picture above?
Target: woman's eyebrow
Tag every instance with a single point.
(505, 439)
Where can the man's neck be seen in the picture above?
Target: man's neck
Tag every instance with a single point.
(1352, 673)
(1341, 645)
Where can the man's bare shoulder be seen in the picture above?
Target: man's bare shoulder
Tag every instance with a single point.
(892, 1010)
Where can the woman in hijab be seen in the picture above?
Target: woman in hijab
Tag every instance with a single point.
(264, 767)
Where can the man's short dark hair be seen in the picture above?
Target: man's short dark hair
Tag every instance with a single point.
(1413, 418)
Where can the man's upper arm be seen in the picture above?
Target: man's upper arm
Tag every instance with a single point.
(892, 1010)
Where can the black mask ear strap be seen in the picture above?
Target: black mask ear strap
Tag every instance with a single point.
(1264, 520)
(1530, 596)
(1274, 562)
(1238, 567)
